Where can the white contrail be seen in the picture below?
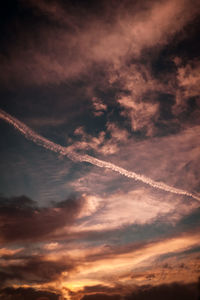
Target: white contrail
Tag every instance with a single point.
(38, 139)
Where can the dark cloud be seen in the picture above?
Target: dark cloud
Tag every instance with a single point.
(21, 219)
(99, 292)
(27, 294)
(173, 291)
(101, 296)
(190, 221)
(99, 289)
(34, 269)
(166, 292)
(50, 42)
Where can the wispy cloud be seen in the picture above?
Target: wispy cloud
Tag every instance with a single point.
(30, 134)
(78, 43)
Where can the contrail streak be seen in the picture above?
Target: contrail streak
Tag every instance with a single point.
(40, 140)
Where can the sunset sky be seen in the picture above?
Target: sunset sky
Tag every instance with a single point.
(100, 150)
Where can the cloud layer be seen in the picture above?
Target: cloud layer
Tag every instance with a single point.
(109, 90)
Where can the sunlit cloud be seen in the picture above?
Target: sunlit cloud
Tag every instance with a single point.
(99, 188)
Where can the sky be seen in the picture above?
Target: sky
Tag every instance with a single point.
(100, 150)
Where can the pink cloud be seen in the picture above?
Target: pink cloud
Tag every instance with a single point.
(141, 114)
(121, 209)
(100, 144)
(188, 84)
(117, 134)
(98, 106)
(69, 54)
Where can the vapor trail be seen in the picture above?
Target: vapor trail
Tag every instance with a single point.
(39, 140)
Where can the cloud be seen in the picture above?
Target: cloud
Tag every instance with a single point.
(21, 219)
(5, 252)
(155, 157)
(46, 121)
(27, 293)
(98, 106)
(34, 269)
(141, 114)
(188, 81)
(117, 133)
(99, 74)
(101, 144)
(101, 296)
(189, 78)
(135, 263)
(45, 143)
(140, 95)
(89, 142)
(99, 291)
(136, 206)
(166, 292)
(54, 54)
